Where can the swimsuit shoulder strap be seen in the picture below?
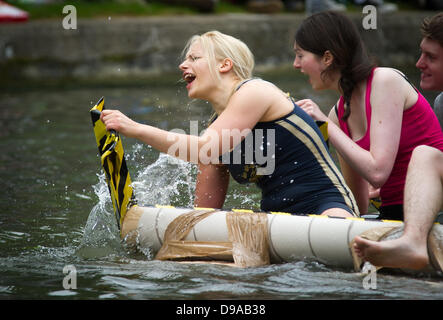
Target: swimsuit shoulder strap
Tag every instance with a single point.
(406, 78)
(245, 81)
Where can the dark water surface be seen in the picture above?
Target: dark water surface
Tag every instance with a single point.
(55, 210)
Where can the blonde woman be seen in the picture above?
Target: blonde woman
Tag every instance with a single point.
(258, 135)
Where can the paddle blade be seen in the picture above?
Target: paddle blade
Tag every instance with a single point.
(113, 162)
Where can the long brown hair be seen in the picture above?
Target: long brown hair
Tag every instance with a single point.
(334, 32)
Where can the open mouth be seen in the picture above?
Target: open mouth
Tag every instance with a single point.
(188, 77)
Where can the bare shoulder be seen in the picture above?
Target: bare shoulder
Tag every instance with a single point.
(333, 114)
(390, 78)
(253, 97)
(390, 84)
(259, 86)
(388, 75)
(266, 99)
(258, 92)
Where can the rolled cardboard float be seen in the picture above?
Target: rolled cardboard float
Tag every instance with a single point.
(287, 237)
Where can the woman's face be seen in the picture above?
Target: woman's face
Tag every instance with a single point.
(196, 72)
(312, 65)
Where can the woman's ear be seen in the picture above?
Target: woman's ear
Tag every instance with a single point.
(328, 58)
(225, 65)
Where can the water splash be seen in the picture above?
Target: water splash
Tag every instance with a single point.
(101, 235)
(166, 181)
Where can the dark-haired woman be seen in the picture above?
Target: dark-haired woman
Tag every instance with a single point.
(379, 119)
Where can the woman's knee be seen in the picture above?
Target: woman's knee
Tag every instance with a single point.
(426, 153)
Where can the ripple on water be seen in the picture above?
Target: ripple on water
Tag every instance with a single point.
(62, 293)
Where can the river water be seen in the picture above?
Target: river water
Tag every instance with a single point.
(56, 215)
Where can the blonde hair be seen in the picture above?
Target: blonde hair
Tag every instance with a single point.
(218, 46)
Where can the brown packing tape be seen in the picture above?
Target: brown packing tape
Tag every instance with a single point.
(129, 229)
(177, 231)
(248, 233)
(196, 250)
(435, 248)
(247, 247)
(374, 234)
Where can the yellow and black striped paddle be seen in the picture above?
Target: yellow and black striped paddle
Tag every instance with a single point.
(113, 163)
(323, 126)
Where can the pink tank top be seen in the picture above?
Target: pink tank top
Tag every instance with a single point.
(419, 127)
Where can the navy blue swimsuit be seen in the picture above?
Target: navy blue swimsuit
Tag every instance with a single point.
(290, 162)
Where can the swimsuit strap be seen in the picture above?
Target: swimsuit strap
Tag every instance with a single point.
(243, 82)
(406, 78)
